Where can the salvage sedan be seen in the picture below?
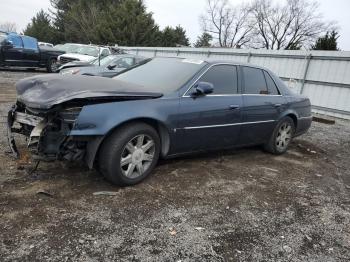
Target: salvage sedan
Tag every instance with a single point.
(163, 108)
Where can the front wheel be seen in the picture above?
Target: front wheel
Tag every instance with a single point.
(129, 154)
(52, 65)
(281, 136)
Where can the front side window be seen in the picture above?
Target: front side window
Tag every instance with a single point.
(223, 78)
(254, 81)
(16, 41)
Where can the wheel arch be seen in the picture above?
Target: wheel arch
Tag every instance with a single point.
(292, 115)
(294, 118)
(163, 132)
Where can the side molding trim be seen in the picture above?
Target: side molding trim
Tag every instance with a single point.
(225, 125)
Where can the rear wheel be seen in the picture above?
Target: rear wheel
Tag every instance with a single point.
(281, 136)
(129, 155)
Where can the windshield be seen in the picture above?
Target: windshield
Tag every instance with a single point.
(163, 75)
(88, 50)
(105, 61)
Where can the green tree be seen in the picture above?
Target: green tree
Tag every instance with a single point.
(204, 40)
(122, 22)
(128, 23)
(327, 42)
(171, 37)
(40, 27)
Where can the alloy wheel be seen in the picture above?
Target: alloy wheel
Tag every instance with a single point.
(137, 156)
(284, 136)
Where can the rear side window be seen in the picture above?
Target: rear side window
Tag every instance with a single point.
(271, 86)
(223, 77)
(30, 43)
(254, 81)
(16, 41)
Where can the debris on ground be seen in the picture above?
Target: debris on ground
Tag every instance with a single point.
(105, 193)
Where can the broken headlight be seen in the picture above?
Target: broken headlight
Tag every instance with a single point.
(69, 115)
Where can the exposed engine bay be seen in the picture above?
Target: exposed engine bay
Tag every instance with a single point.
(46, 132)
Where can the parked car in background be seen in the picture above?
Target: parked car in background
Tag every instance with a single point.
(45, 44)
(164, 107)
(24, 51)
(84, 53)
(106, 67)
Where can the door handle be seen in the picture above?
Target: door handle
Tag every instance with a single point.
(233, 107)
(277, 105)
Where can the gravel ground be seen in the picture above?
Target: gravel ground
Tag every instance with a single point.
(238, 205)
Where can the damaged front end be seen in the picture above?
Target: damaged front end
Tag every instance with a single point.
(47, 132)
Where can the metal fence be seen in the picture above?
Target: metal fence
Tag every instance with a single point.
(323, 76)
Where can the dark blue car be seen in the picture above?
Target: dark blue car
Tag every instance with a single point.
(164, 107)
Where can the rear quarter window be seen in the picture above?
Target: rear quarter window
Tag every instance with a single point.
(271, 86)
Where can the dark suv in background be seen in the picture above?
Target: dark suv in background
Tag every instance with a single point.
(24, 51)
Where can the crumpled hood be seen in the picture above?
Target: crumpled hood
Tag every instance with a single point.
(45, 91)
(98, 70)
(80, 57)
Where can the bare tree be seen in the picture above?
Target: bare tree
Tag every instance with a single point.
(230, 25)
(292, 25)
(8, 27)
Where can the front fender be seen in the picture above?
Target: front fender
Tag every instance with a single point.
(99, 119)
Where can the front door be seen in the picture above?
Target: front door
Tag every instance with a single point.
(13, 55)
(211, 121)
(31, 56)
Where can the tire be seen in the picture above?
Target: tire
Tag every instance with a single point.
(124, 145)
(51, 65)
(281, 136)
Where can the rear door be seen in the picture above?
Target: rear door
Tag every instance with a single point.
(262, 105)
(211, 121)
(31, 54)
(13, 55)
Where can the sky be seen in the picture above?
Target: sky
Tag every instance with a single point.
(177, 12)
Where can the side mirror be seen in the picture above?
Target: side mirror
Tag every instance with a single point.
(203, 88)
(111, 67)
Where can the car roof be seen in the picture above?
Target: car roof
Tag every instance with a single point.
(217, 61)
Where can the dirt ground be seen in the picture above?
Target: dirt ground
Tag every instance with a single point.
(239, 205)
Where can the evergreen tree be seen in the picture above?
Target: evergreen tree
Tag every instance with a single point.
(327, 42)
(171, 37)
(122, 22)
(204, 40)
(40, 27)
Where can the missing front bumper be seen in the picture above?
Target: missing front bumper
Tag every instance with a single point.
(13, 117)
(10, 137)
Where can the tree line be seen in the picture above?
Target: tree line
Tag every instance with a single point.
(289, 24)
(122, 22)
(268, 24)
